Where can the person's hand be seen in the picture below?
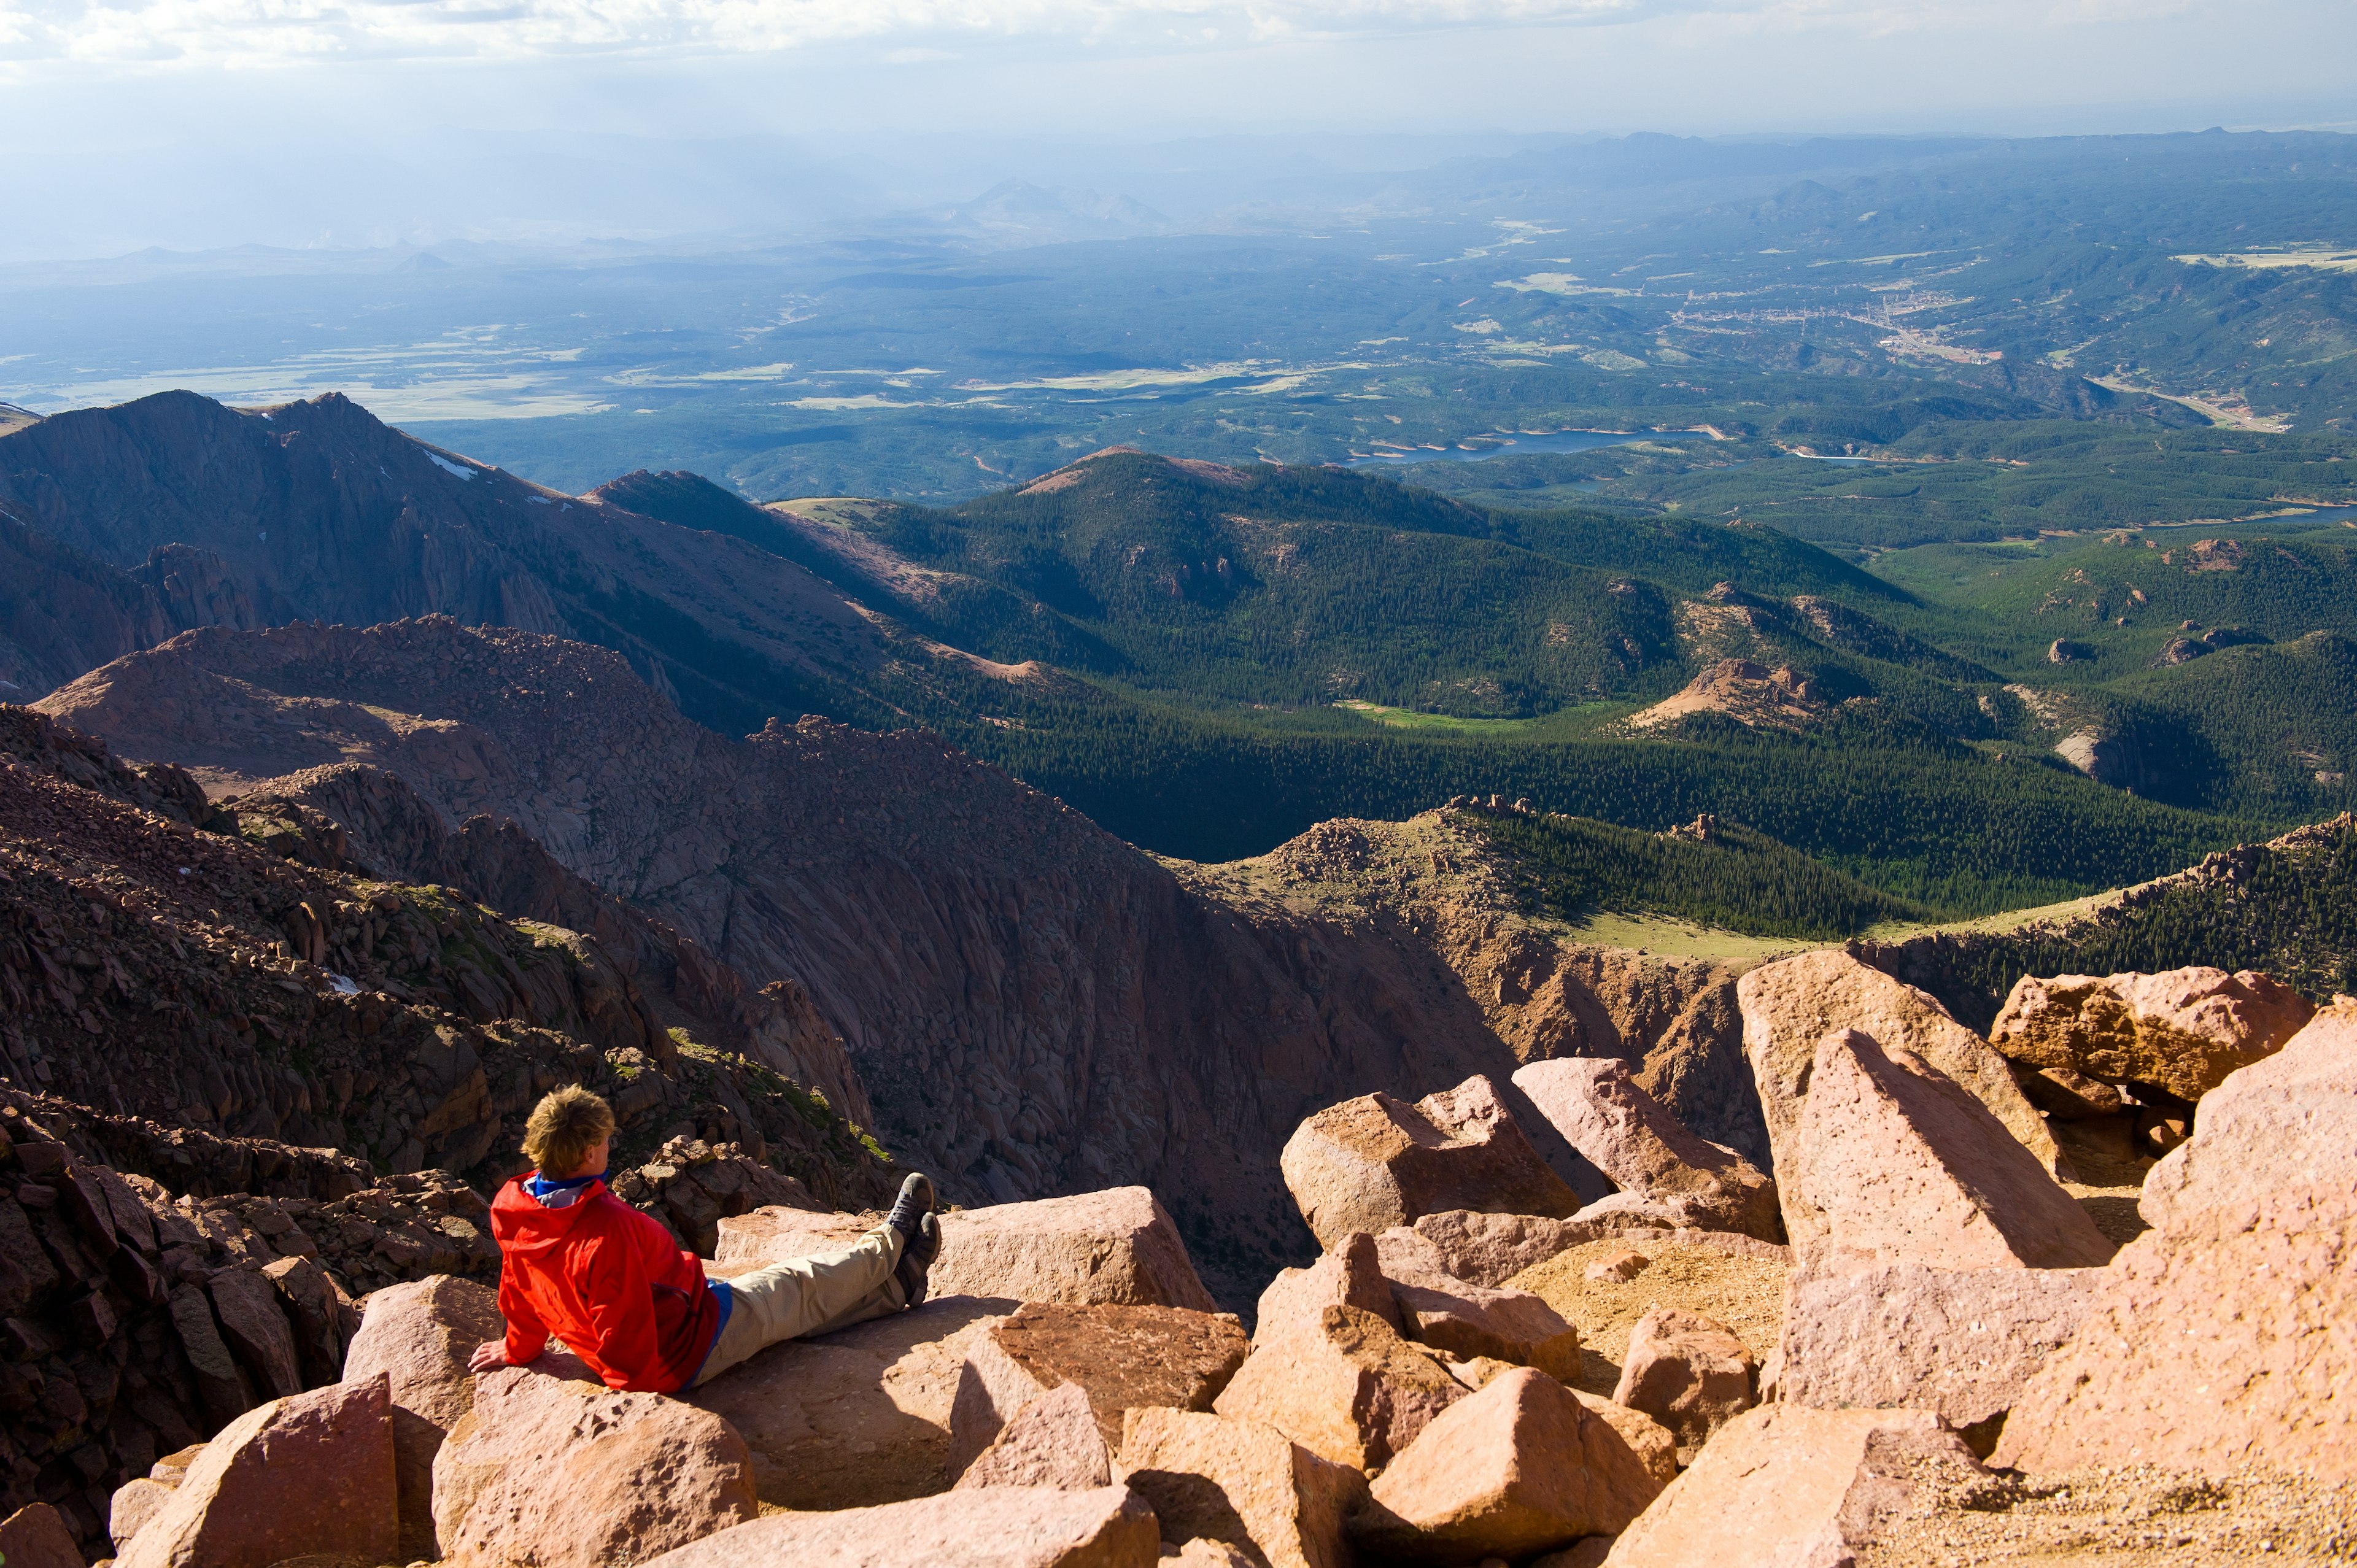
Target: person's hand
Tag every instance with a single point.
(491, 1353)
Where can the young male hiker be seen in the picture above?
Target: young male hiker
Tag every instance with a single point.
(579, 1263)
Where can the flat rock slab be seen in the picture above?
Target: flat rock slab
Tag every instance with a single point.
(2287, 1121)
(1894, 1162)
(312, 1472)
(1051, 1442)
(997, 1526)
(1344, 1385)
(2181, 1031)
(1376, 1161)
(555, 1469)
(2230, 1340)
(1117, 1247)
(1789, 1005)
(1793, 1488)
(1649, 1154)
(859, 1417)
(1241, 1483)
(1120, 1358)
(1908, 1338)
(1519, 1468)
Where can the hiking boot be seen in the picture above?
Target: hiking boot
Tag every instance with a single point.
(917, 1258)
(915, 1201)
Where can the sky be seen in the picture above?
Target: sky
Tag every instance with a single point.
(191, 124)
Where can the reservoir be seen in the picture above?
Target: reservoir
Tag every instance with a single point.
(1521, 443)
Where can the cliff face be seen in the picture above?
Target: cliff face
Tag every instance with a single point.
(1034, 1006)
(63, 612)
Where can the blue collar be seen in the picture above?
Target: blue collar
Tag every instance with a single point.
(558, 1194)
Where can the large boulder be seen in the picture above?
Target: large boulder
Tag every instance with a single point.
(554, 1469)
(1350, 1275)
(1344, 1385)
(1490, 1248)
(858, 1417)
(1054, 1441)
(1373, 1163)
(246, 1304)
(1517, 1469)
(1655, 1446)
(1687, 1372)
(2229, 1339)
(1117, 1247)
(1661, 1168)
(1908, 1338)
(419, 1335)
(998, 1527)
(1792, 1487)
(1789, 1005)
(2182, 1031)
(1241, 1483)
(1894, 1162)
(2287, 1121)
(1468, 1320)
(1120, 1356)
(312, 1472)
(35, 1536)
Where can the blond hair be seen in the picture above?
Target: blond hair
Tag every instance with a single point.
(563, 1127)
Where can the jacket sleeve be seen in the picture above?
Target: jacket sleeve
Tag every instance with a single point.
(622, 1309)
(527, 1336)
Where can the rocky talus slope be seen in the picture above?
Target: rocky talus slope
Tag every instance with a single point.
(156, 967)
(1034, 1006)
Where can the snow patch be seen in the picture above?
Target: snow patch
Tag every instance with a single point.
(343, 986)
(447, 466)
(540, 501)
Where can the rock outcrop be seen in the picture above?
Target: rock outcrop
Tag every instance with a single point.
(1958, 1344)
(419, 1336)
(1791, 1005)
(2222, 1341)
(312, 1473)
(1894, 1162)
(999, 1527)
(2287, 1121)
(1784, 1484)
(552, 1468)
(1241, 1483)
(1120, 1358)
(1373, 1163)
(2181, 1032)
(1516, 1468)
(1664, 1172)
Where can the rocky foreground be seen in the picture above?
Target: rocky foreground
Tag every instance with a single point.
(1903, 1340)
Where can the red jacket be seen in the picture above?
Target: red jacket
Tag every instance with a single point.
(607, 1281)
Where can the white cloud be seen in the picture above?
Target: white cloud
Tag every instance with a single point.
(262, 32)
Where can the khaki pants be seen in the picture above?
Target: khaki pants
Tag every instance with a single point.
(808, 1295)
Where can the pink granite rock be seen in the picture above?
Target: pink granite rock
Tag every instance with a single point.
(419, 1335)
(35, 1536)
(1787, 1485)
(996, 1527)
(1490, 1248)
(2229, 1339)
(1893, 1162)
(1468, 1320)
(554, 1469)
(1373, 1163)
(2182, 1031)
(1632, 1138)
(1350, 1275)
(1688, 1372)
(1241, 1483)
(1344, 1385)
(1519, 1468)
(312, 1472)
(2287, 1121)
(1051, 1442)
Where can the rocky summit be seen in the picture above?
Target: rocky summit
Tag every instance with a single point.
(1343, 1204)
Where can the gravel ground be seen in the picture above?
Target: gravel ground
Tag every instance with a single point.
(1747, 1295)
